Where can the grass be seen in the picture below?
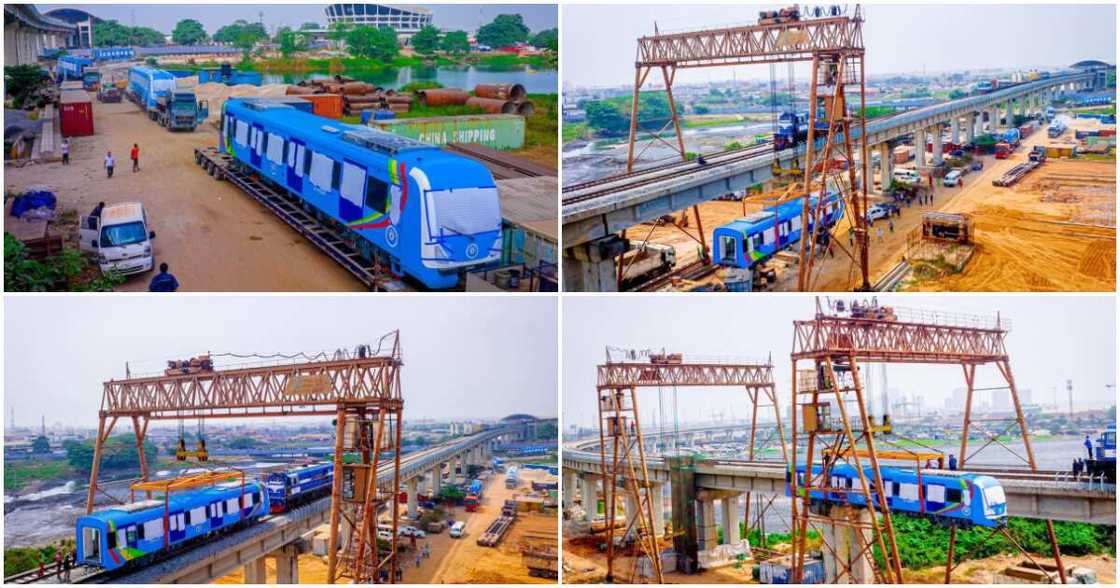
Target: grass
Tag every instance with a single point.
(573, 131)
(697, 123)
(19, 474)
(1096, 110)
(358, 64)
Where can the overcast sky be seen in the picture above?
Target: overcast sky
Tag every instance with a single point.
(214, 15)
(599, 42)
(1052, 338)
(464, 357)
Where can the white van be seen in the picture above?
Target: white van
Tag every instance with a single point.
(120, 238)
(458, 529)
(952, 178)
(907, 176)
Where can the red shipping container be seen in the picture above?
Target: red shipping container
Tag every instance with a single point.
(76, 113)
(1107, 133)
(326, 105)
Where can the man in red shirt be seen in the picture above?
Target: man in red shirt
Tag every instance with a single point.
(135, 155)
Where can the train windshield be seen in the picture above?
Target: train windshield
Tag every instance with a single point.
(727, 248)
(91, 544)
(464, 211)
(993, 497)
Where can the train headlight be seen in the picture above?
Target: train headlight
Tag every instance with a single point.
(472, 250)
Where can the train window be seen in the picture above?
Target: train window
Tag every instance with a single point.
(132, 535)
(304, 159)
(153, 529)
(196, 516)
(122, 538)
(908, 492)
(275, 148)
(727, 247)
(935, 493)
(756, 242)
(231, 506)
(353, 183)
(952, 495)
(894, 488)
(111, 538)
(91, 544)
(336, 176)
(377, 194)
(242, 135)
(320, 171)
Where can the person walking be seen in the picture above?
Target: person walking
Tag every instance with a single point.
(952, 462)
(417, 559)
(879, 233)
(1089, 447)
(134, 155)
(66, 152)
(163, 281)
(109, 164)
(890, 225)
(58, 561)
(67, 563)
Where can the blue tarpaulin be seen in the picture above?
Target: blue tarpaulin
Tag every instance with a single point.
(32, 200)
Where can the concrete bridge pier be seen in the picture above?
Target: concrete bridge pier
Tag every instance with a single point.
(886, 165)
(973, 120)
(589, 497)
(1010, 122)
(410, 492)
(955, 130)
(631, 508)
(590, 267)
(682, 477)
(287, 564)
(463, 466)
(729, 519)
(657, 495)
(920, 149)
(436, 479)
(707, 533)
(847, 566)
(255, 572)
(938, 146)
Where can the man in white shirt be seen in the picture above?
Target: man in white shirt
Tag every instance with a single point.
(66, 152)
(109, 164)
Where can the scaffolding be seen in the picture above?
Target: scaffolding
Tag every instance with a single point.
(833, 44)
(837, 340)
(361, 390)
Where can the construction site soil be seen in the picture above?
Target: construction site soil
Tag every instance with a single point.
(457, 561)
(585, 564)
(1054, 231)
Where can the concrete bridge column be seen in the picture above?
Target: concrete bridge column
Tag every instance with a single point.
(937, 145)
(287, 564)
(410, 491)
(568, 492)
(970, 128)
(920, 148)
(706, 533)
(589, 497)
(730, 519)
(1010, 122)
(437, 479)
(255, 572)
(886, 166)
(847, 541)
(590, 267)
(955, 130)
(631, 507)
(463, 466)
(657, 492)
(865, 172)
(1022, 106)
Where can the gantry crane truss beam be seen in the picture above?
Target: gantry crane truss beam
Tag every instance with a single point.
(363, 393)
(774, 43)
(834, 46)
(837, 345)
(897, 342)
(621, 448)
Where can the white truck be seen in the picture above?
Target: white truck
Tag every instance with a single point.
(120, 238)
(645, 261)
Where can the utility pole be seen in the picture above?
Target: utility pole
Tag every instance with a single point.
(1069, 389)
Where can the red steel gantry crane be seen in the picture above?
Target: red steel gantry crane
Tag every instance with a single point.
(622, 451)
(361, 390)
(833, 44)
(836, 341)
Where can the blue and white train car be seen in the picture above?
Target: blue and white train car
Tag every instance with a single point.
(133, 534)
(147, 84)
(294, 486)
(429, 213)
(749, 241)
(953, 498)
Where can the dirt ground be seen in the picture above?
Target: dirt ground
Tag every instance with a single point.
(1054, 231)
(584, 564)
(214, 237)
(455, 561)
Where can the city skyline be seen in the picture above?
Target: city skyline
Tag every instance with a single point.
(600, 41)
(1080, 346)
(453, 354)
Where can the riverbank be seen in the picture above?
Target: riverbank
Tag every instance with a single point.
(336, 65)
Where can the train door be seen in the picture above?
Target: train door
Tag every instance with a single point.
(91, 545)
(297, 151)
(256, 144)
(215, 512)
(177, 524)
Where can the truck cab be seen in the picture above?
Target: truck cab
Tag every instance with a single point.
(120, 238)
(182, 110)
(91, 80)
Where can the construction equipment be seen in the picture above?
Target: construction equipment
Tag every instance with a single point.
(542, 560)
(1015, 174)
(498, 529)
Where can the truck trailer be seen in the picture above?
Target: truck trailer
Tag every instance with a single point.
(146, 85)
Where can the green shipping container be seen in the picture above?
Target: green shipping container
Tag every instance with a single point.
(499, 131)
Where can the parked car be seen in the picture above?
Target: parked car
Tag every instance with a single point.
(951, 179)
(458, 529)
(877, 212)
(977, 165)
(410, 531)
(385, 535)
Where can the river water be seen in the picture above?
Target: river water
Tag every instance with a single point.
(536, 81)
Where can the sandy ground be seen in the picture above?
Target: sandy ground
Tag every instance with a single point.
(1067, 205)
(454, 560)
(214, 237)
(585, 564)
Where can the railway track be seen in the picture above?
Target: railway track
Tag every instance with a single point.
(605, 186)
(693, 271)
(502, 166)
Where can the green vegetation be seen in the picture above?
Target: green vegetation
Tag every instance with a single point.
(67, 271)
(504, 30)
(22, 82)
(612, 116)
(573, 131)
(241, 34)
(546, 39)
(119, 451)
(455, 42)
(189, 32)
(41, 445)
(244, 443)
(111, 33)
(426, 41)
(1107, 110)
(722, 121)
(877, 111)
(309, 26)
(21, 559)
(922, 543)
(417, 86)
(379, 44)
(19, 473)
(290, 41)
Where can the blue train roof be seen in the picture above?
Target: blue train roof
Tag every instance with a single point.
(177, 501)
(352, 140)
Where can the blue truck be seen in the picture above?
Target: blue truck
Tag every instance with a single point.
(156, 93)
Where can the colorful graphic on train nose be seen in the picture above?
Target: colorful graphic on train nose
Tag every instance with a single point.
(426, 213)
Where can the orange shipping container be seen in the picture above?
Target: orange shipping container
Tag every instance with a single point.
(326, 105)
